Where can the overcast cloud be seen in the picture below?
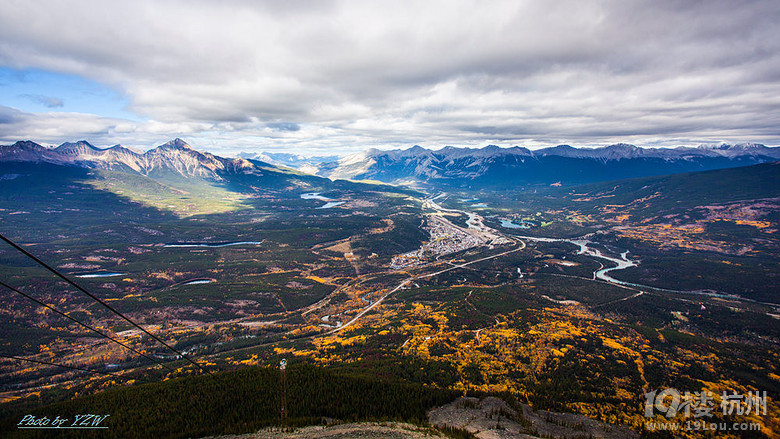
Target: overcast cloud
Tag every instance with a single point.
(342, 76)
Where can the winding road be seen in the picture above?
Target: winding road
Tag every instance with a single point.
(403, 283)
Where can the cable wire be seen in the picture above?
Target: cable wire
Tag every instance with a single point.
(85, 325)
(98, 372)
(95, 298)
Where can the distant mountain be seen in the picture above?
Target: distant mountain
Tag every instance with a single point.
(488, 167)
(295, 161)
(174, 157)
(492, 166)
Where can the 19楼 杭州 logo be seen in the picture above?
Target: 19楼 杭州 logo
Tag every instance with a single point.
(671, 403)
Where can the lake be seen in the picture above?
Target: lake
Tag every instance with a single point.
(98, 274)
(510, 225)
(314, 196)
(211, 244)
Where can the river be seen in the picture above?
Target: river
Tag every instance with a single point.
(585, 249)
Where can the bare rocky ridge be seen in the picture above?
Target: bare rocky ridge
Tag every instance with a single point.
(364, 430)
(492, 418)
(487, 418)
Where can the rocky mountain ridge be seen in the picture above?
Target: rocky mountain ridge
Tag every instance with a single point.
(175, 156)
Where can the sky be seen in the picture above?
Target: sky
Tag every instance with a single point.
(335, 77)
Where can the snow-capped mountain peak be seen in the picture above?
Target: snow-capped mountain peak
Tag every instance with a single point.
(177, 143)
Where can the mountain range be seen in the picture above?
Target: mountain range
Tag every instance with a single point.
(175, 157)
(493, 166)
(490, 166)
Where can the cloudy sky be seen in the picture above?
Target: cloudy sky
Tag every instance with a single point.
(323, 77)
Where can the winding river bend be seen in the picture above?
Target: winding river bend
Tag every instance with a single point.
(585, 248)
(621, 263)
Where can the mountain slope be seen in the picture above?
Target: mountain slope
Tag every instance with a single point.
(172, 177)
(689, 190)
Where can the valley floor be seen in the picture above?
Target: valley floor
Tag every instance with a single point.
(406, 289)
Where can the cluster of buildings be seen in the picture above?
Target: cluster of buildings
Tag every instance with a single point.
(446, 238)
